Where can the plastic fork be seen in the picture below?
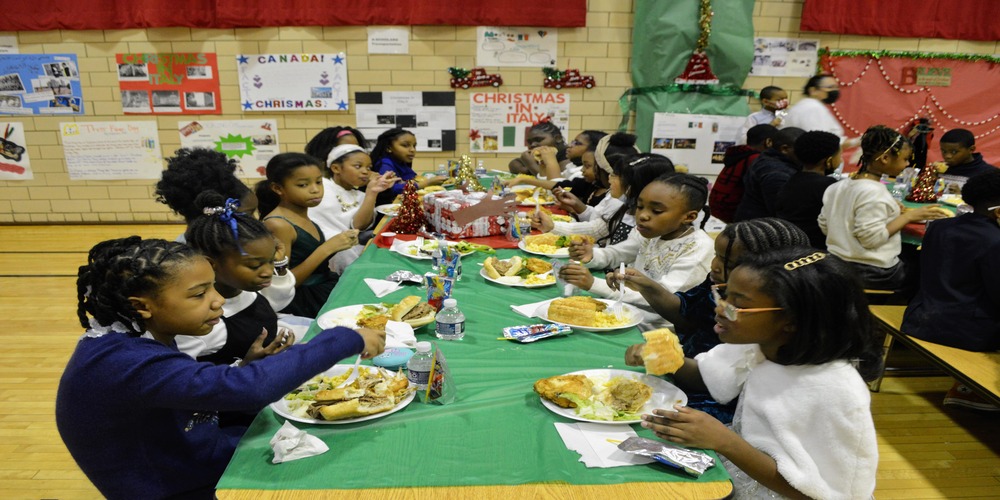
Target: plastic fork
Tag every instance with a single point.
(538, 201)
(354, 374)
(616, 308)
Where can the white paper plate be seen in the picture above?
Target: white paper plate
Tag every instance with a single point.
(405, 248)
(628, 310)
(665, 395)
(390, 209)
(281, 406)
(562, 252)
(512, 281)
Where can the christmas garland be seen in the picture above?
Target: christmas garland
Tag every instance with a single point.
(627, 101)
(909, 54)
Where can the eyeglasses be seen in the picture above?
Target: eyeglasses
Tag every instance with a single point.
(731, 312)
(575, 143)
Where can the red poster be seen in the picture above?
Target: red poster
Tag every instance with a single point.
(169, 84)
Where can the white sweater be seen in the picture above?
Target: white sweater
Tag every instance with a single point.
(677, 264)
(812, 114)
(854, 218)
(334, 215)
(593, 220)
(814, 420)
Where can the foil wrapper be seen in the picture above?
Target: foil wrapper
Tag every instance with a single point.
(403, 276)
(692, 462)
(531, 333)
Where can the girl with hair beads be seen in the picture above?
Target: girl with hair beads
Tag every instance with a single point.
(798, 347)
(294, 184)
(394, 152)
(241, 251)
(546, 152)
(345, 206)
(611, 221)
(860, 218)
(327, 139)
(141, 418)
(665, 245)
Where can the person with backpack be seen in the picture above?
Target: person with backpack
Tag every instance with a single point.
(727, 192)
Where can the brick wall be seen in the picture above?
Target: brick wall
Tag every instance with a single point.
(602, 49)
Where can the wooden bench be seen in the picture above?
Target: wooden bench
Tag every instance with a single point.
(980, 371)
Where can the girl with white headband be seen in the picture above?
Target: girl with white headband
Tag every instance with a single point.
(345, 206)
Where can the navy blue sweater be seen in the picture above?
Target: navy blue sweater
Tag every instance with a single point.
(140, 418)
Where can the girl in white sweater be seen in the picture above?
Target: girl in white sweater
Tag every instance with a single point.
(861, 220)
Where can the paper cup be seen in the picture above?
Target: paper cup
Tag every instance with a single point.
(388, 237)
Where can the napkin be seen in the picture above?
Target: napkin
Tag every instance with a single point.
(531, 310)
(381, 288)
(399, 334)
(290, 443)
(591, 442)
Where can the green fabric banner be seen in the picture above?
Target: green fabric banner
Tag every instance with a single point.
(663, 39)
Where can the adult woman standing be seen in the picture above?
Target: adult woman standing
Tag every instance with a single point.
(813, 113)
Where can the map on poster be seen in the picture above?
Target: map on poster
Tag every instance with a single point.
(293, 82)
(429, 115)
(111, 150)
(496, 46)
(784, 57)
(252, 143)
(40, 84)
(14, 162)
(498, 122)
(695, 141)
(169, 84)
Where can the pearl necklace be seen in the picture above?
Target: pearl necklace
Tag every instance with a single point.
(345, 206)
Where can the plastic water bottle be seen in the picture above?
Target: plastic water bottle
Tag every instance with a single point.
(480, 168)
(437, 255)
(450, 322)
(899, 189)
(418, 368)
(442, 170)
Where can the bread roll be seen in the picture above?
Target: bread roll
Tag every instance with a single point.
(399, 310)
(580, 311)
(496, 268)
(355, 408)
(662, 353)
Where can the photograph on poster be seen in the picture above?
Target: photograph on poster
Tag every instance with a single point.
(130, 72)
(60, 70)
(11, 83)
(166, 99)
(135, 100)
(195, 100)
(199, 72)
(10, 101)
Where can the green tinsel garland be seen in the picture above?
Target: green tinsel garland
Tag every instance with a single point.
(627, 101)
(908, 54)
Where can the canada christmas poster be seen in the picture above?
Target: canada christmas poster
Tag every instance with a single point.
(293, 82)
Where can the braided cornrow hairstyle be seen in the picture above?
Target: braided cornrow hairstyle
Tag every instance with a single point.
(693, 188)
(634, 173)
(760, 236)
(122, 268)
(213, 236)
(877, 141)
(547, 127)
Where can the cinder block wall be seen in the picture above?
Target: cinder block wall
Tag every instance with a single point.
(602, 49)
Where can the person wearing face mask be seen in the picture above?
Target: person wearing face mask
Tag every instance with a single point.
(813, 113)
(772, 101)
(801, 199)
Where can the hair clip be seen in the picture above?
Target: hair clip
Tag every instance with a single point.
(805, 261)
(213, 210)
(545, 119)
(638, 161)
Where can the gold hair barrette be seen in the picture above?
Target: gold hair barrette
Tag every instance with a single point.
(805, 261)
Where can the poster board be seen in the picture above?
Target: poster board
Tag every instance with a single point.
(429, 115)
(784, 57)
(111, 150)
(169, 84)
(40, 84)
(293, 82)
(252, 143)
(14, 162)
(695, 141)
(498, 122)
(499, 46)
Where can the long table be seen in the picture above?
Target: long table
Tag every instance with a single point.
(496, 440)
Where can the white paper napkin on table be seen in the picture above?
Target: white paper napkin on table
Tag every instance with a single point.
(530, 310)
(591, 442)
(290, 443)
(381, 288)
(399, 334)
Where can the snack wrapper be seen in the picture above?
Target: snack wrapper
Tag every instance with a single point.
(440, 385)
(531, 333)
(692, 462)
(438, 289)
(403, 275)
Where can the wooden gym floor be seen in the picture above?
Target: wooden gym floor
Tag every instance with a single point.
(926, 451)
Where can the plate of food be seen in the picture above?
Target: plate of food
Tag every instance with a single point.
(424, 249)
(515, 271)
(375, 393)
(589, 314)
(389, 209)
(607, 396)
(547, 244)
(410, 310)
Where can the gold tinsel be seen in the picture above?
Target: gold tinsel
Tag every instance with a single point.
(466, 174)
(705, 23)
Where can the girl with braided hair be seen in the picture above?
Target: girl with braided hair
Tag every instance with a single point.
(664, 245)
(241, 251)
(140, 417)
(546, 154)
(861, 220)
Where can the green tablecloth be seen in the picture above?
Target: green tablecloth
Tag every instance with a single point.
(496, 433)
